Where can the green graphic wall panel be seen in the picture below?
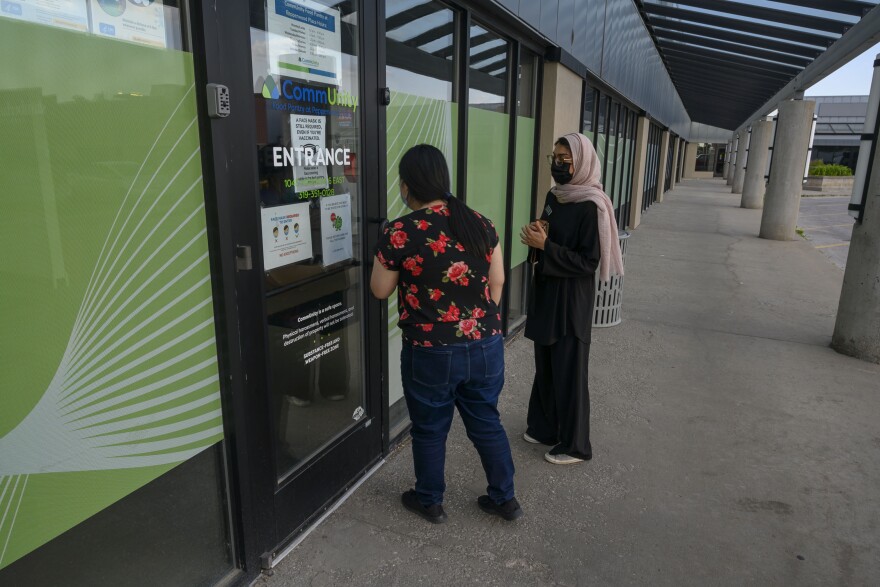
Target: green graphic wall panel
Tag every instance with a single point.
(488, 140)
(108, 370)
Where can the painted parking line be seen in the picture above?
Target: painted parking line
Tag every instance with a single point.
(832, 245)
(826, 226)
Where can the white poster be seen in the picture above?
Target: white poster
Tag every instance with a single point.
(65, 14)
(312, 46)
(308, 135)
(139, 21)
(287, 235)
(336, 228)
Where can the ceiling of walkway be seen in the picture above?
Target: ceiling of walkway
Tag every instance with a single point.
(728, 58)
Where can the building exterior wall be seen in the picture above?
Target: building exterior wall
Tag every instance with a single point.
(611, 40)
(558, 117)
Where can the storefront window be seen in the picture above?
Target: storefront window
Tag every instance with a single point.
(523, 183)
(488, 126)
(589, 112)
(705, 157)
(110, 380)
(420, 73)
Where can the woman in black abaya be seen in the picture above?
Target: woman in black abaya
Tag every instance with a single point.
(575, 238)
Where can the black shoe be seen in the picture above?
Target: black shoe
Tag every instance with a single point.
(433, 513)
(509, 510)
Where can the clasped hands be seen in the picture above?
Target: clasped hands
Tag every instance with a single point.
(533, 235)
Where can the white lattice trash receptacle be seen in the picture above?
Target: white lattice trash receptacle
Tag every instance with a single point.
(609, 294)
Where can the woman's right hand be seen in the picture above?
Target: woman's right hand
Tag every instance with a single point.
(533, 235)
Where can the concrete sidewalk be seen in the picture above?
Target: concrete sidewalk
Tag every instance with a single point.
(732, 445)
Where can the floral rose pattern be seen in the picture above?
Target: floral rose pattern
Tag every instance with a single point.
(443, 291)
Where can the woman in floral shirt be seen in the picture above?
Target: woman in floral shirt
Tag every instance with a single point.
(445, 263)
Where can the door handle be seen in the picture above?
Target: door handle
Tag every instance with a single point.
(382, 222)
(243, 259)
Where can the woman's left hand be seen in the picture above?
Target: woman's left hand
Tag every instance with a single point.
(533, 235)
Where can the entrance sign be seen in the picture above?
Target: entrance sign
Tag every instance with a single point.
(287, 235)
(336, 228)
(308, 135)
(313, 42)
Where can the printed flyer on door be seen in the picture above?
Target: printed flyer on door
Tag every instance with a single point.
(308, 136)
(287, 235)
(336, 228)
(313, 42)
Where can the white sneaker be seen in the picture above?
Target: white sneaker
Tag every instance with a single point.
(530, 440)
(562, 459)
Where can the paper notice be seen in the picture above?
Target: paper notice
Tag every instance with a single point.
(287, 235)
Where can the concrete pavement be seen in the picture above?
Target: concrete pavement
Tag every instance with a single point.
(732, 445)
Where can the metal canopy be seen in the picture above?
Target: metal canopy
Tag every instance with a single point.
(727, 58)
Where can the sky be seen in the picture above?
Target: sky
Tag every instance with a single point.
(853, 79)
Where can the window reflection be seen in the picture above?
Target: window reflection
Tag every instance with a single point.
(155, 23)
(488, 62)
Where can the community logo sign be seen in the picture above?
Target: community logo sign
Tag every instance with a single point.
(288, 89)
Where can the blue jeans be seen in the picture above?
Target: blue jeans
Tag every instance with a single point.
(468, 376)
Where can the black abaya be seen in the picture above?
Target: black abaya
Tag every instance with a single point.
(560, 323)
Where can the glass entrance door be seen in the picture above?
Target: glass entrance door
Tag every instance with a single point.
(307, 89)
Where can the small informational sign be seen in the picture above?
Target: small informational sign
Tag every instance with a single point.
(65, 14)
(287, 235)
(308, 137)
(138, 21)
(313, 47)
(336, 228)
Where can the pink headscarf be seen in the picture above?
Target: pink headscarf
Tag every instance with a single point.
(586, 186)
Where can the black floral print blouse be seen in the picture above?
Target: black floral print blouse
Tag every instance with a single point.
(442, 291)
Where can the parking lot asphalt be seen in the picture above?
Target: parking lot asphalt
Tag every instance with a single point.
(827, 225)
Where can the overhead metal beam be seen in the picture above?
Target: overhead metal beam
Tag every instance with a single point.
(687, 58)
(658, 23)
(799, 62)
(727, 93)
(787, 17)
(772, 31)
(781, 69)
(689, 71)
(850, 7)
(733, 79)
(864, 35)
(724, 85)
(475, 41)
(684, 85)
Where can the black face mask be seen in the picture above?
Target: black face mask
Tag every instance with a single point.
(561, 174)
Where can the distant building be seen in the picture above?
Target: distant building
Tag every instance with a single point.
(838, 128)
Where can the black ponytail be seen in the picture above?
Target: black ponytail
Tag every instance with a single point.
(424, 170)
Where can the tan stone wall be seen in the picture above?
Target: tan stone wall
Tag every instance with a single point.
(690, 161)
(560, 115)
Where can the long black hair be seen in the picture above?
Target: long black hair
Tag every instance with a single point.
(424, 170)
